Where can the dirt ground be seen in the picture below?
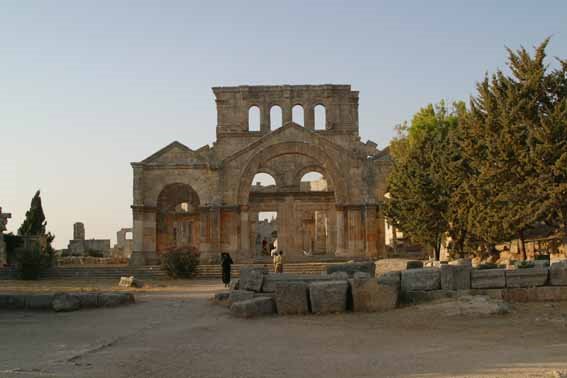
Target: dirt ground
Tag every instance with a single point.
(174, 331)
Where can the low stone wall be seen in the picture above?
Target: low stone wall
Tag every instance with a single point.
(64, 302)
(352, 288)
(87, 260)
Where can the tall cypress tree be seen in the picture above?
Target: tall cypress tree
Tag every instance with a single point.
(35, 224)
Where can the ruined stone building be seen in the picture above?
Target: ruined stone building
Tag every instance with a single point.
(208, 198)
(80, 246)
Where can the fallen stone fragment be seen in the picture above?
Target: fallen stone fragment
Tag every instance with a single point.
(455, 277)
(528, 277)
(369, 296)
(393, 278)
(251, 278)
(353, 267)
(558, 274)
(254, 307)
(488, 278)
(421, 279)
(64, 302)
(328, 297)
(115, 299)
(39, 301)
(291, 298)
(239, 295)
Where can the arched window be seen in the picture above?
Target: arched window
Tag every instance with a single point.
(297, 115)
(263, 182)
(254, 118)
(276, 117)
(313, 182)
(320, 117)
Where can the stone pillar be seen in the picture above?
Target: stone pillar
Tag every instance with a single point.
(371, 231)
(265, 119)
(144, 236)
(309, 117)
(244, 232)
(78, 231)
(3, 252)
(341, 232)
(210, 234)
(380, 232)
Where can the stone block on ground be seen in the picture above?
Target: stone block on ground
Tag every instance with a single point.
(251, 278)
(239, 295)
(421, 279)
(369, 296)
(272, 279)
(544, 294)
(250, 308)
(337, 275)
(87, 300)
(491, 293)
(12, 302)
(352, 267)
(361, 275)
(291, 298)
(221, 298)
(558, 274)
(129, 282)
(63, 302)
(328, 297)
(527, 277)
(115, 299)
(488, 278)
(422, 296)
(234, 284)
(393, 278)
(39, 301)
(455, 277)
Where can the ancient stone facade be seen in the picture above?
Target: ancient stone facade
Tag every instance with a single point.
(207, 198)
(124, 245)
(3, 222)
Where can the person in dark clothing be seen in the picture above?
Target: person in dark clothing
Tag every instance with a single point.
(226, 262)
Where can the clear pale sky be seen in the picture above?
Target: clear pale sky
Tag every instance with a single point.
(86, 87)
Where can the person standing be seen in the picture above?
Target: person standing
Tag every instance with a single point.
(279, 262)
(226, 263)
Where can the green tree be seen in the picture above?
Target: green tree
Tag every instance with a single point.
(419, 192)
(512, 140)
(35, 224)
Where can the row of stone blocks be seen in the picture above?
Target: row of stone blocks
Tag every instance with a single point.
(463, 277)
(62, 302)
(261, 293)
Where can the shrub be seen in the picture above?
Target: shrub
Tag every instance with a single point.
(180, 262)
(488, 266)
(525, 264)
(31, 262)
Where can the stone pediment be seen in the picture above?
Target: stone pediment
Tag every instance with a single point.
(176, 153)
(291, 132)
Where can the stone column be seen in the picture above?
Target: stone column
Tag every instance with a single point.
(265, 119)
(244, 232)
(309, 117)
(144, 236)
(341, 232)
(210, 234)
(380, 232)
(3, 253)
(371, 231)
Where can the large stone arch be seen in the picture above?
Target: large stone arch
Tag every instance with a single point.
(177, 226)
(200, 181)
(313, 151)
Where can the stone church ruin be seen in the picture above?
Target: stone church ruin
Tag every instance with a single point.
(210, 199)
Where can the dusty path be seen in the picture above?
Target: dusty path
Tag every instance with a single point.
(180, 334)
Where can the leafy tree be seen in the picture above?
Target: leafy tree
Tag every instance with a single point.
(419, 192)
(514, 137)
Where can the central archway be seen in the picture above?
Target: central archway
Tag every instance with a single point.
(304, 221)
